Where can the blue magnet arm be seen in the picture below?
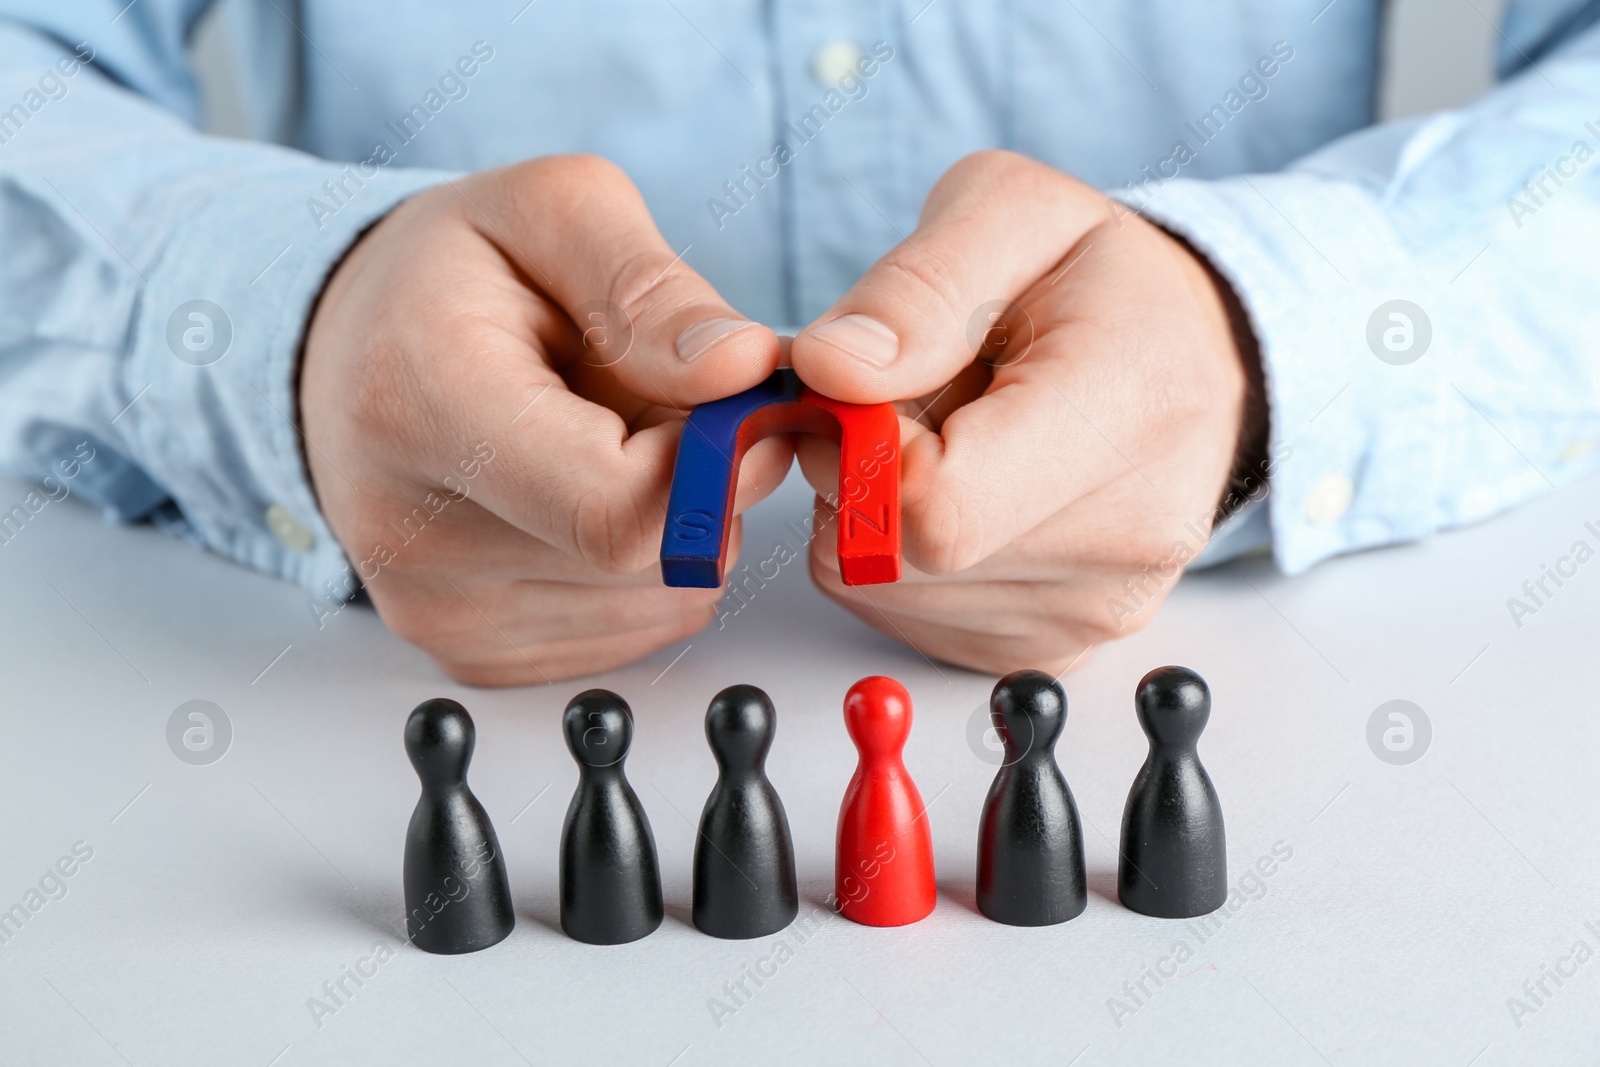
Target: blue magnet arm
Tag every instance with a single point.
(696, 537)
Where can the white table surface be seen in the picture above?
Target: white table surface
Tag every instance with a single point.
(220, 898)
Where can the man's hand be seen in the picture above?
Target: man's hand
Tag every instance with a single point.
(490, 391)
(1056, 482)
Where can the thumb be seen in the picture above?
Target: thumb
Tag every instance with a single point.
(992, 226)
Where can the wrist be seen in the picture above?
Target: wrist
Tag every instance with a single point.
(1248, 475)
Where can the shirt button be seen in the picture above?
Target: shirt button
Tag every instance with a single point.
(1329, 500)
(1578, 449)
(834, 62)
(290, 531)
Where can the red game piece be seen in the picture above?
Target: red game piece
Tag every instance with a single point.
(885, 858)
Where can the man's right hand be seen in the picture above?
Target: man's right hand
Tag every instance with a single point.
(527, 338)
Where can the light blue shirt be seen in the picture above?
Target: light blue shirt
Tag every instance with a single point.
(155, 283)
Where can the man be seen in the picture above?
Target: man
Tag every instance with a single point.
(438, 339)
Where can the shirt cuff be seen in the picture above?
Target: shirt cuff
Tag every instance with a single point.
(1245, 532)
(215, 349)
(1355, 440)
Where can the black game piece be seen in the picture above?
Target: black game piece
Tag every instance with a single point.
(744, 880)
(1030, 843)
(457, 896)
(1174, 856)
(610, 884)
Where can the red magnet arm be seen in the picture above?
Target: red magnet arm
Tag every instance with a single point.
(717, 435)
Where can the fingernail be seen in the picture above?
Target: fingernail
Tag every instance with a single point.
(698, 339)
(861, 336)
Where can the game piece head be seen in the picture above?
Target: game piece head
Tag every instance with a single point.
(1028, 710)
(439, 740)
(877, 712)
(599, 728)
(740, 724)
(1173, 705)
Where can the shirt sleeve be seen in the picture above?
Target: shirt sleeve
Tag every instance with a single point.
(156, 284)
(1424, 295)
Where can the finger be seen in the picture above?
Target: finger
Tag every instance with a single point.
(466, 544)
(523, 632)
(1115, 391)
(566, 471)
(1105, 387)
(579, 230)
(1049, 644)
(458, 613)
(1092, 533)
(519, 628)
(993, 224)
(551, 661)
(992, 627)
(981, 482)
